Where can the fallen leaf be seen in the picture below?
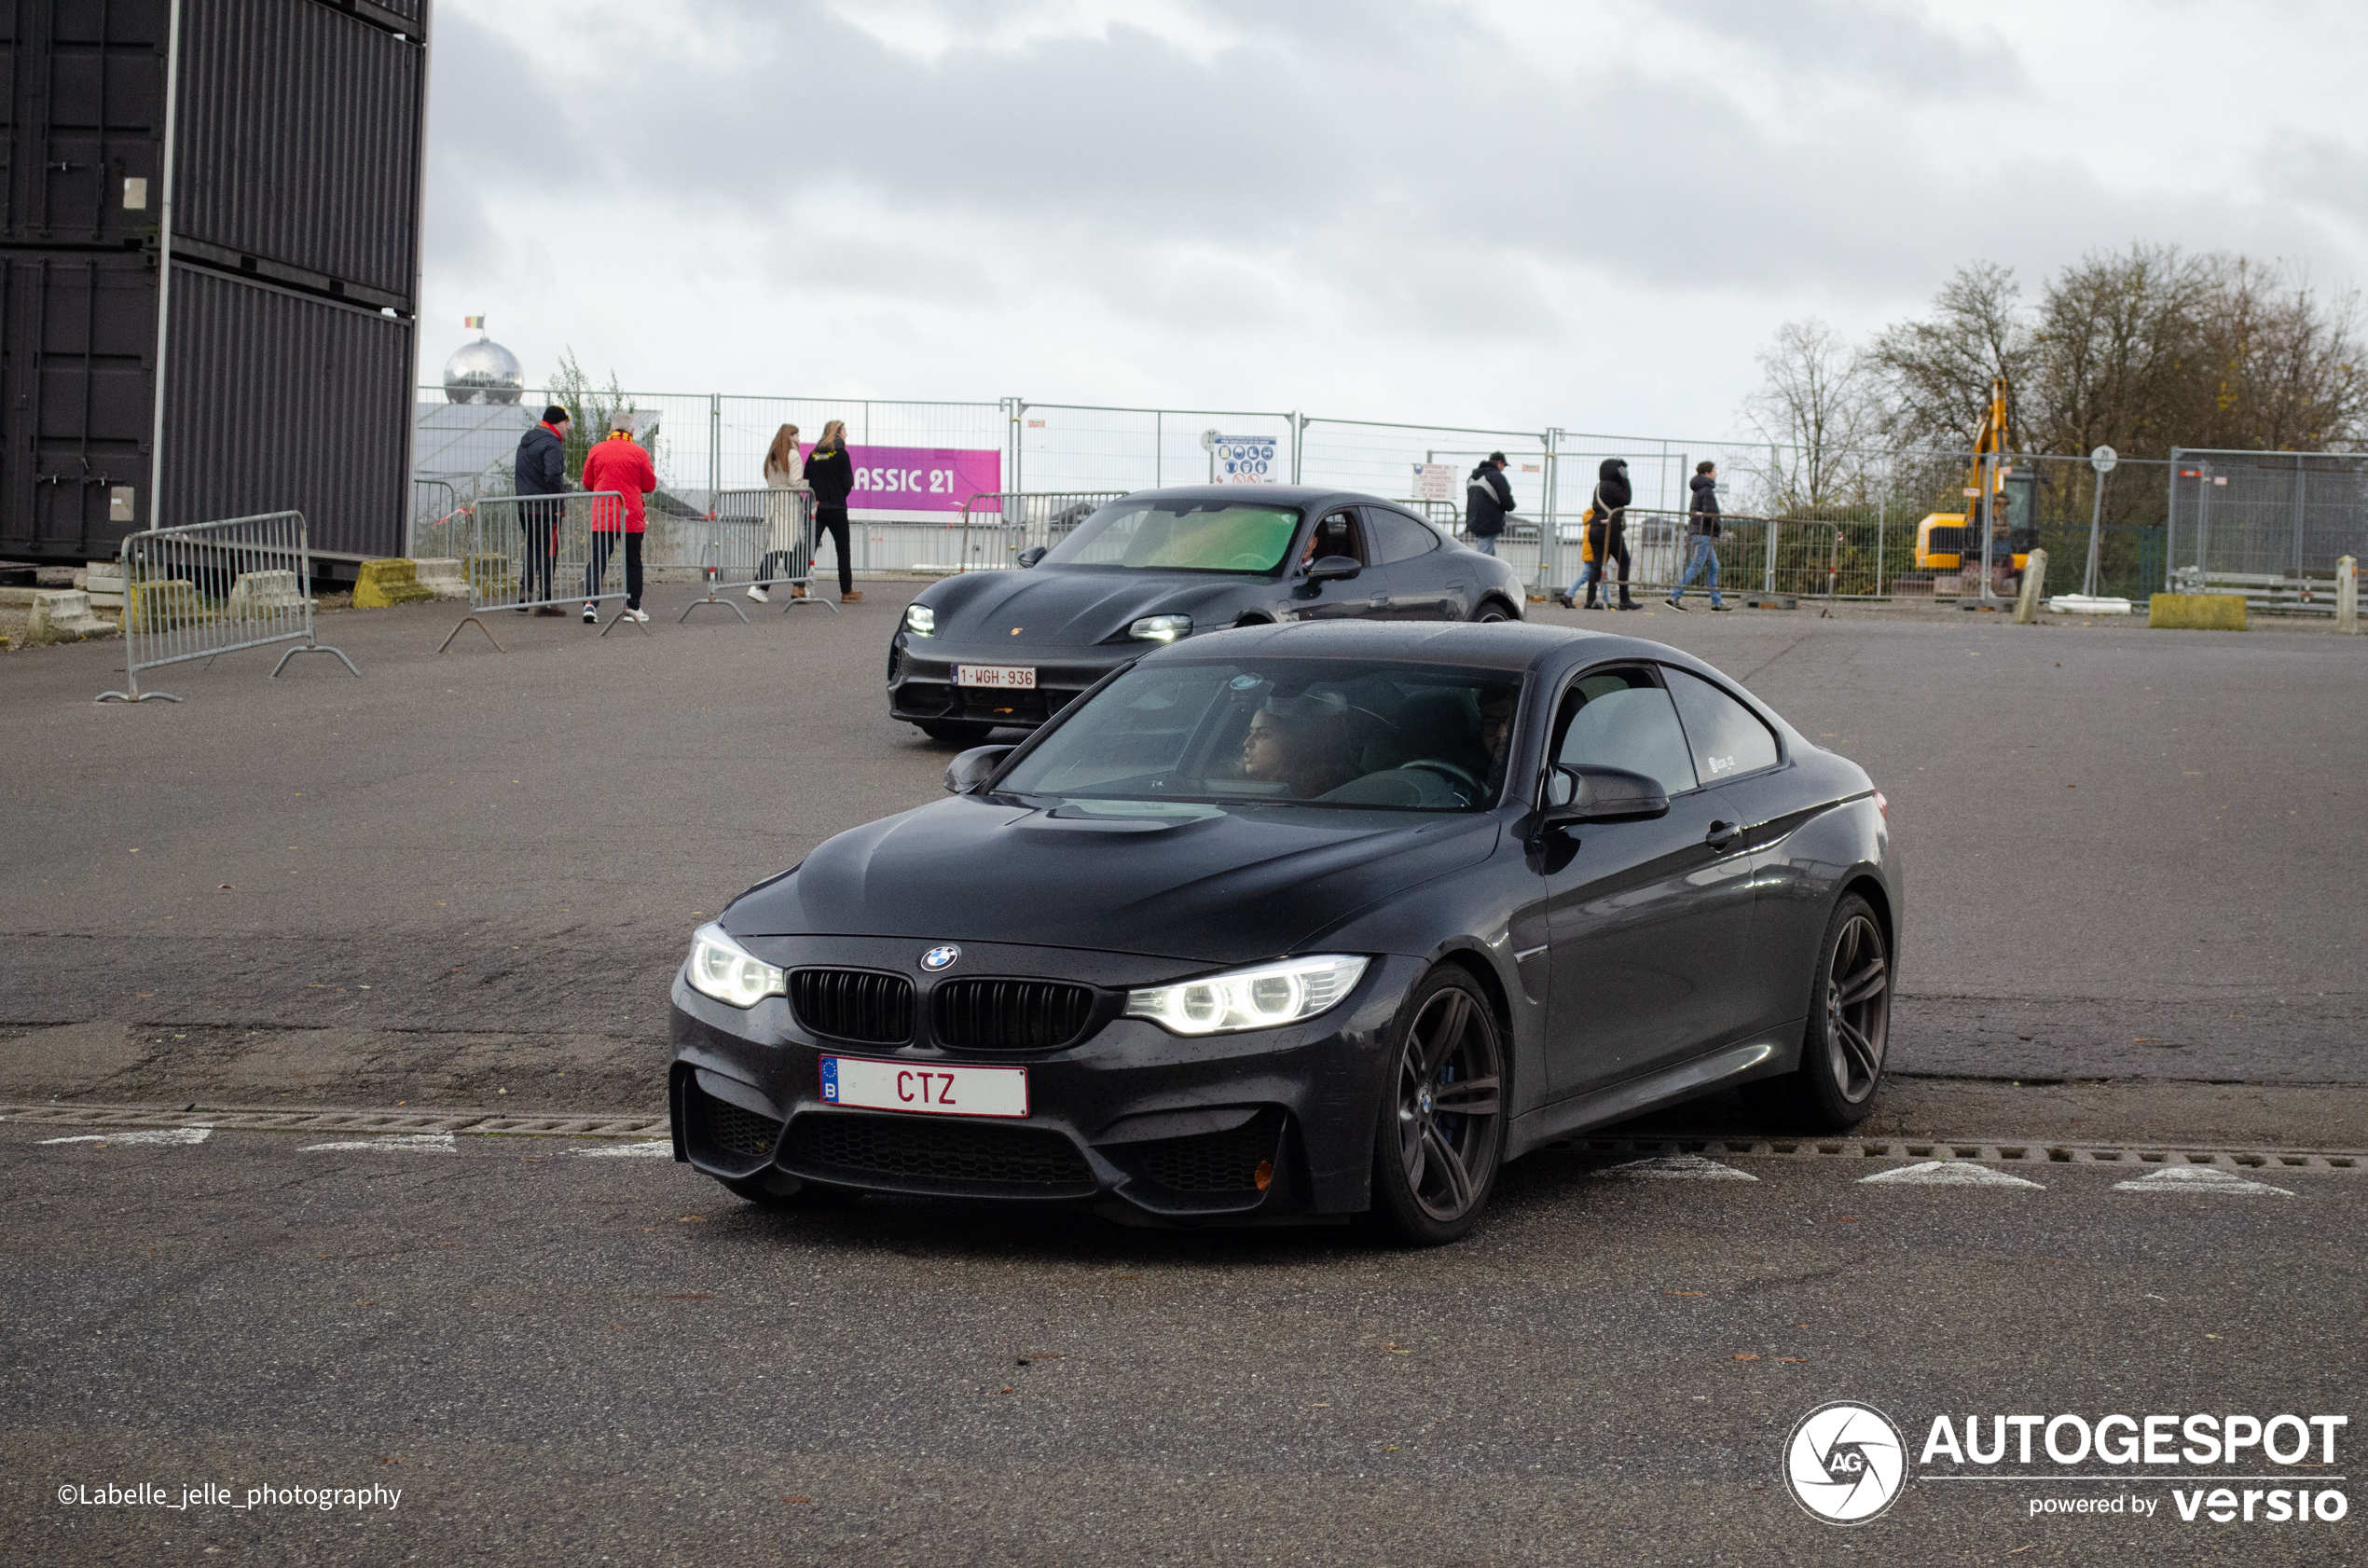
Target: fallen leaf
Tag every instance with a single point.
(1746, 1356)
(1123, 1278)
(692, 1219)
(223, 888)
(793, 1497)
(1395, 1349)
(1684, 1292)
(387, 1461)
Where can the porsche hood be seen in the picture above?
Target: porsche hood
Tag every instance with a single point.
(1065, 607)
(1207, 884)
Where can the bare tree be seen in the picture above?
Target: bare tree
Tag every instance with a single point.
(1813, 409)
(1936, 374)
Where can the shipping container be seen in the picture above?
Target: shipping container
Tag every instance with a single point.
(298, 159)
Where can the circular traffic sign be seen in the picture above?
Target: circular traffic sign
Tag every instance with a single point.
(2104, 459)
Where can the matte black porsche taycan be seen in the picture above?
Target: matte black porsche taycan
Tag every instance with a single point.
(1307, 921)
(991, 649)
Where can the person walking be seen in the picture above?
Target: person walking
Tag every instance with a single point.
(1488, 501)
(1607, 537)
(830, 473)
(1704, 512)
(787, 494)
(541, 470)
(618, 464)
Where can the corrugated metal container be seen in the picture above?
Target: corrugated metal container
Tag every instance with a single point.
(77, 330)
(279, 400)
(85, 113)
(299, 145)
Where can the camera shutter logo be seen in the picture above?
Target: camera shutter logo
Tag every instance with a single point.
(1846, 1462)
(940, 957)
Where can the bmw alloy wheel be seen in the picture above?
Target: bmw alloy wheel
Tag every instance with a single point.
(1858, 1007)
(1450, 1096)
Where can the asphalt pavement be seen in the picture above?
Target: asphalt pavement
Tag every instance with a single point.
(562, 1352)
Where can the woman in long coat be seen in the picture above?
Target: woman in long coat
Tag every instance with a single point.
(785, 501)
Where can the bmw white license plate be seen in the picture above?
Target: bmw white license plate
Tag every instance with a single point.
(1011, 677)
(851, 1080)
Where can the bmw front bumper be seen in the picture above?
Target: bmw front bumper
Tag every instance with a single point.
(1130, 1119)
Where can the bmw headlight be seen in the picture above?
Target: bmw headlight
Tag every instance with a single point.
(920, 620)
(723, 969)
(1161, 628)
(1263, 997)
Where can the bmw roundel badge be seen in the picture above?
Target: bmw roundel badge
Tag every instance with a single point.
(941, 958)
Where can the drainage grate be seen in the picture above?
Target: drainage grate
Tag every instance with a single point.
(1987, 1150)
(286, 1119)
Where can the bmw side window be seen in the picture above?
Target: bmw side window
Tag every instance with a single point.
(1622, 718)
(1728, 739)
(1397, 537)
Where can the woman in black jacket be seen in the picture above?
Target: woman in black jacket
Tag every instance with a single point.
(832, 473)
(1608, 535)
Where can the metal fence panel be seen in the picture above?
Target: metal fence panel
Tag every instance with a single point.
(758, 540)
(997, 528)
(529, 553)
(2271, 524)
(205, 589)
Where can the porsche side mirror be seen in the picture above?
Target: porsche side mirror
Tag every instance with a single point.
(1327, 569)
(1586, 794)
(974, 767)
(1030, 556)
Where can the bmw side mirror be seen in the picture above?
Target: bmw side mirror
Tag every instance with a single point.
(974, 767)
(1030, 556)
(1586, 794)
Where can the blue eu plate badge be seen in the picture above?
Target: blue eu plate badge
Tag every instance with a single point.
(831, 1078)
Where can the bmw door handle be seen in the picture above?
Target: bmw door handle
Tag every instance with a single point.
(1721, 834)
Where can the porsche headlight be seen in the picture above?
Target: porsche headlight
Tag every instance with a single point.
(1161, 628)
(1263, 997)
(920, 620)
(723, 969)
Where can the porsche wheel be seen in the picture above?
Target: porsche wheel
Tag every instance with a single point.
(1441, 1138)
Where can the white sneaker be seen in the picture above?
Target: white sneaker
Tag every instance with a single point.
(591, 614)
(759, 595)
(641, 615)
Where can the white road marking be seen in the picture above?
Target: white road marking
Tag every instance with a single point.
(1679, 1167)
(2200, 1179)
(1948, 1173)
(158, 1134)
(649, 1149)
(413, 1143)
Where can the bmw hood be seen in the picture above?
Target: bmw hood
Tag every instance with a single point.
(1171, 880)
(1065, 606)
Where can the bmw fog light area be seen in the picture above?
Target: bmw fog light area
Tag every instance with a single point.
(1263, 997)
(1161, 628)
(920, 620)
(723, 969)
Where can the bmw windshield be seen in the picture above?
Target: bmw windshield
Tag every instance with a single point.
(1282, 732)
(1182, 536)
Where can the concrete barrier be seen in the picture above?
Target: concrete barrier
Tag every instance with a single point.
(2347, 595)
(159, 603)
(382, 584)
(442, 576)
(2034, 588)
(64, 614)
(256, 595)
(2196, 611)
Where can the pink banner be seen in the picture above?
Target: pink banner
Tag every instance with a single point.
(920, 479)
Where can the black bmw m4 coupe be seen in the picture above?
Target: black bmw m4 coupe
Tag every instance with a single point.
(1305, 922)
(988, 650)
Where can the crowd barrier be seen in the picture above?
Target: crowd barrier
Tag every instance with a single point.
(527, 553)
(205, 589)
(757, 539)
(998, 525)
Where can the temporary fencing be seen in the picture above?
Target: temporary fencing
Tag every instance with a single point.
(998, 527)
(528, 553)
(2269, 525)
(757, 539)
(205, 589)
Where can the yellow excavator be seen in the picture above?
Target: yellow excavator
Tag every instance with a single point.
(1951, 541)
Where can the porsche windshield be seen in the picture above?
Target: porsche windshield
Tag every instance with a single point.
(1182, 536)
(1287, 732)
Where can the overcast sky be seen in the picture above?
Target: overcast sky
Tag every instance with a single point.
(1589, 215)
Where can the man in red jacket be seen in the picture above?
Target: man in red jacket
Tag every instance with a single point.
(621, 465)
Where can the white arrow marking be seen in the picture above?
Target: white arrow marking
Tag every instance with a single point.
(1679, 1167)
(650, 1149)
(415, 1143)
(1948, 1173)
(161, 1135)
(2200, 1179)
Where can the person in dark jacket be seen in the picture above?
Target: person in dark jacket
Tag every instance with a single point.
(542, 469)
(1488, 501)
(832, 473)
(1705, 511)
(1606, 534)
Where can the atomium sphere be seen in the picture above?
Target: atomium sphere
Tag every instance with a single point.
(484, 372)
